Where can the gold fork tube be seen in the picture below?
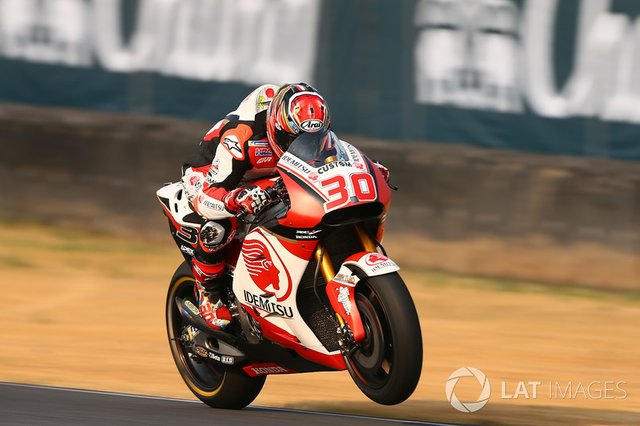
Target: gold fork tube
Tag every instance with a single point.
(365, 239)
(326, 268)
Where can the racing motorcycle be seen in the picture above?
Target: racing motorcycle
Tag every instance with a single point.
(308, 284)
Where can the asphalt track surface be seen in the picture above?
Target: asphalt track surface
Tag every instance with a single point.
(42, 405)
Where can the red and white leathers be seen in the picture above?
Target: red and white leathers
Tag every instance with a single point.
(232, 154)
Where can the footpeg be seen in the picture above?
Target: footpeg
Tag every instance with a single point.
(191, 315)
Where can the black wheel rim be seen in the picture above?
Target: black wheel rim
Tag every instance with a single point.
(372, 361)
(206, 376)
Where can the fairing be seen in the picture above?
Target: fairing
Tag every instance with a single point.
(323, 177)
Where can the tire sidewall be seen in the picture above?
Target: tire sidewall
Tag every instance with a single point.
(402, 321)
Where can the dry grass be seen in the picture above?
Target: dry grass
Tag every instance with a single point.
(86, 311)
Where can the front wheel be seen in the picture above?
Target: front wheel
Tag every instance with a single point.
(216, 386)
(386, 364)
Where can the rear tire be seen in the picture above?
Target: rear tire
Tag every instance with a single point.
(216, 386)
(386, 365)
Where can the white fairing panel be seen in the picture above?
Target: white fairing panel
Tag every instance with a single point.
(267, 276)
(178, 202)
(373, 264)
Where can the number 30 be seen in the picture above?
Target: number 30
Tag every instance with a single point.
(364, 189)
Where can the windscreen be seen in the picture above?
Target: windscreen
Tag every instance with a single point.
(318, 148)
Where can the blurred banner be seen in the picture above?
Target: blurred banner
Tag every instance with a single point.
(554, 76)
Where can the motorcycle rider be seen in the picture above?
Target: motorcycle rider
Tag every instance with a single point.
(239, 149)
(219, 179)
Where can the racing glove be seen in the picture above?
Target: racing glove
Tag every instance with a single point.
(250, 200)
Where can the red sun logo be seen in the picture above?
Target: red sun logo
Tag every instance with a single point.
(373, 258)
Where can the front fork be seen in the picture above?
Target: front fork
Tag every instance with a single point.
(340, 290)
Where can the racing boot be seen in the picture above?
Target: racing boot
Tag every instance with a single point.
(208, 292)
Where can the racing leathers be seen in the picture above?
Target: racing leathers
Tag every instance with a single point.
(218, 183)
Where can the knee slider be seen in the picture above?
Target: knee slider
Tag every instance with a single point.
(212, 235)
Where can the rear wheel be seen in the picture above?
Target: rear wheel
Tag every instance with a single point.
(387, 363)
(215, 385)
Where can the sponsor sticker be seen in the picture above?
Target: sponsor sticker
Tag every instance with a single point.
(215, 167)
(333, 165)
(255, 370)
(233, 146)
(263, 152)
(353, 153)
(262, 103)
(343, 298)
(378, 261)
(210, 204)
(266, 269)
(295, 163)
(311, 125)
(200, 351)
(346, 279)
(223, 359)
(227, 360)
(264, 160)
(187, 250)
(307, 234)
(267, 305)
(374, 258)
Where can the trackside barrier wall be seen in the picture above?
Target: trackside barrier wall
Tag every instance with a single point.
(548, 76)
(100, 171)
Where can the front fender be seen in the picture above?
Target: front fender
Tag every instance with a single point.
(342, 288)
(372, 264)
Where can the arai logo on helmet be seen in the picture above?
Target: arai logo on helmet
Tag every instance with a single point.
(311, 125)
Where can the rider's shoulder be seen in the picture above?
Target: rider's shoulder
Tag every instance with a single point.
(237, 140)
(255, 102)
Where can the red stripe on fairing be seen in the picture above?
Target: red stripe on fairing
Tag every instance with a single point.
(382, 187)
(293, 171)
(289, 341)
(303, 249)
(306, 209)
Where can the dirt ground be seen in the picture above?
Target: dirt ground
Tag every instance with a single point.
(86, 311)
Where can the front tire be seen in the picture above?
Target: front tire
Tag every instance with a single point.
(387, 363)
(216, 386)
